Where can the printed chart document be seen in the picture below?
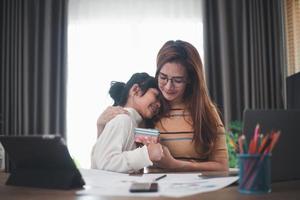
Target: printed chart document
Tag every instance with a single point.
(104, 183)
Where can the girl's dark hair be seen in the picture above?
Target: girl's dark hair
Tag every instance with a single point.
(119, 91)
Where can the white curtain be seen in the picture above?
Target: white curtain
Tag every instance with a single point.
(109, 40)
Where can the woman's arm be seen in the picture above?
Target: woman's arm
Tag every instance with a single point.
(217, 161)
(108, 114)
(172, 164)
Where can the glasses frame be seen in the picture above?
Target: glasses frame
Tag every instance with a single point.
(172, 79)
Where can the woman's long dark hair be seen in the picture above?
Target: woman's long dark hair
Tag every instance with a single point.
(203, 111)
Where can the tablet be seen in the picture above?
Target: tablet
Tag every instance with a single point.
(41, 161)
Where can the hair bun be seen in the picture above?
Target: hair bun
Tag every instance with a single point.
(115, 91)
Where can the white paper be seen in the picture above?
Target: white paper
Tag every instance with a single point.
(104, 183)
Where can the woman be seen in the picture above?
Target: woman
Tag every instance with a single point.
(115, 149)
(191, 130)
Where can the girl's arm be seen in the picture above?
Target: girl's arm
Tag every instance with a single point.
(115, 149)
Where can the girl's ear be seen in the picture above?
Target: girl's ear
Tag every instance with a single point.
(135, 90)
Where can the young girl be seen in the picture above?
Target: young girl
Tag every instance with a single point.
(115, 150)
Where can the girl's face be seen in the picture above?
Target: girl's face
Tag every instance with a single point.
(172, 80)
(148, 104)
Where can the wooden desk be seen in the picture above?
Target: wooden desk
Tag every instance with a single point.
(280, 191)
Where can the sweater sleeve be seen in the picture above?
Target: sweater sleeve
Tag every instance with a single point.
(115, 149)
(220, 148)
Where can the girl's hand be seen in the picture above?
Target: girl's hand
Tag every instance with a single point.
(145, 140)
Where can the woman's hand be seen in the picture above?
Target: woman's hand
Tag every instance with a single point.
(108, 114)
(155, 151)
(167, 161)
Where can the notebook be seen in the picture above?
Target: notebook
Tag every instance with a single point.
(285, 160)
(41, 161)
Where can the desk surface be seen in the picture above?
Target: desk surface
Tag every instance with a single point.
(282, 190)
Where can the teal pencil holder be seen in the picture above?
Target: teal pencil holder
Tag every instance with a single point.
(254, 173)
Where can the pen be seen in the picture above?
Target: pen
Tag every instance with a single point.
(240, 142)
(160, 177)
(256, 138)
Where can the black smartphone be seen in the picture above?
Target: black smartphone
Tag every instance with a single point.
(144, 187)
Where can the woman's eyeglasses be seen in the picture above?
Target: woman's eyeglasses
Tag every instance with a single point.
(163, 79)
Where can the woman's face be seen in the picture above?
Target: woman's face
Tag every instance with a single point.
(148, 104)
(172, 80)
